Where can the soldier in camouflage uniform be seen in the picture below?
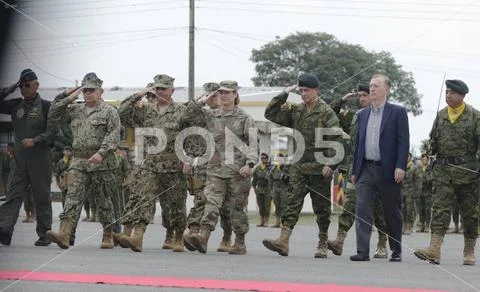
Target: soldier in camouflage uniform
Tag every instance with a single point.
(197, 176)
(229, 170)
(423, 201)
(278, 180)
(32, 161)
(455, 140)
(411, 188)
(262, 189)
(96, 134)
(307, 175)
(347, 218)
(160, 174)
(61, 168)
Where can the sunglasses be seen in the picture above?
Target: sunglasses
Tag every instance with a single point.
(88, 90)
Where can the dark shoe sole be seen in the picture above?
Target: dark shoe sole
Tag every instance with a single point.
(52, 238)
(270, 246)
(42, 243)
(188, 245)
(5, 238)
(125, 242)
(335, 251)
(196, 242)
(426, 258)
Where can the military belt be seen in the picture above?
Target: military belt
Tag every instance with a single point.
(455, 160)
(84, 153)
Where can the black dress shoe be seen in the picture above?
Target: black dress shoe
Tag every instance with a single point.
(360, 258)
(42, 242)
(5, 237)
(396, 258)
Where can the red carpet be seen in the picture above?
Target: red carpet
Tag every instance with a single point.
(237, 285)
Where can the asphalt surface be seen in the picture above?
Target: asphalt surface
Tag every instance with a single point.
(259, 264)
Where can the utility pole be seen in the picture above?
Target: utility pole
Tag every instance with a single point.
(191, 53)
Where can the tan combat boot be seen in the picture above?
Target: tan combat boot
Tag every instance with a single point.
(279, 244)
(127, 231)
(61, 238)
(178, 242)
(431, 253)
(469, 251)
(134, 242)
(187, 237)
(322, 246)
(381, 252)
(262, 222)
(200, 240)
(336, 246)
(239, 245)
(278, 221)
(107, 238)
(226, 243)
(168, 244)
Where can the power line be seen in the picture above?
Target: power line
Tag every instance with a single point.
(65, 3)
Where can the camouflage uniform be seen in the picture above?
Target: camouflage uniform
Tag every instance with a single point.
(278, 179)
(424, 201)
(160, 175)
(455, 144)
(61, 177)
(411, 188)
(307, 171)
(95, 130)
(261, 186)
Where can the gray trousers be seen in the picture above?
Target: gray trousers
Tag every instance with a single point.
(371, 182)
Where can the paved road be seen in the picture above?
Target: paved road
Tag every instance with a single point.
(258, 265)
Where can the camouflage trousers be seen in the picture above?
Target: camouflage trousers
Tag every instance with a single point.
(319, 189)
(234, 191)
(347, 218)
(144, 189)
(196, 212)
(101, 184)
(28, 204)
(445, 195)
(264, 201)
(408, 207)
(423, 205)
(279, 200)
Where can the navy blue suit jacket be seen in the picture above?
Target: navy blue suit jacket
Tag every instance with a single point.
(394, 140)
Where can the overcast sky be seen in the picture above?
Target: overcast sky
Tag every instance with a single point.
(127, 42)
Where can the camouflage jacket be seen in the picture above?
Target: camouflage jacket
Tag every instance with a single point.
(426, 178)
(171, 121)
(298, 117)
(260, 177)
(93, 131)
(457, 143)
(412, 184)
(278, 177)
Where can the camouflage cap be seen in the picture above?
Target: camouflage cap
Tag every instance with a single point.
(163, 80)
(210, 87)
(27, 75)
(91, 80)
(228, 85)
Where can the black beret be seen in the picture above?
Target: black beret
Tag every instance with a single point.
(308, 80)
(27, 75)
(457, 85)
(364, 87)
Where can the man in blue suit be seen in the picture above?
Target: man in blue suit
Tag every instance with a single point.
(379, 164)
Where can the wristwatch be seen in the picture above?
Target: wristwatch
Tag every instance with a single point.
(251, 164)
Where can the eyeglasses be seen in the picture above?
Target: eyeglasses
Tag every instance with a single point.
(88, 90)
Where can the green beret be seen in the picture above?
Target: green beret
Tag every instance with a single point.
(308, 80)
(457, 85)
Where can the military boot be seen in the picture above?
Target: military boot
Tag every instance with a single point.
(127, 231)
(226, 243)
(200, 240)
(187, 237)
(61, 238)
(107, 238)
(239, 245)
(168, 243)
(469, 251)
(135, 241)
(279, 244)
(381, 252)
(262, 222)
(336, 246)
(178, 242)
(278, 221)
(322, 246)
(431, 253)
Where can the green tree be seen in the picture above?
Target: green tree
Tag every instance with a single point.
(339, 66)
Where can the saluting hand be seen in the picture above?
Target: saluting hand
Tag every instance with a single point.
(95, 159)
(71, 90)
(28, 143)
(399, 175)
(142, 92)
(327, 171)
(74, 95)
(291, 88)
